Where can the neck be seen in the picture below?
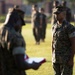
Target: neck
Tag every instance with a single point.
(60, 21)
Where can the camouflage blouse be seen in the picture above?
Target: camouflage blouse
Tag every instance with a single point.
(61, 44)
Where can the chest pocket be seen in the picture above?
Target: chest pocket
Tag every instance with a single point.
(59, 33)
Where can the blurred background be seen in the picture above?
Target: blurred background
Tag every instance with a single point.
(26, 7)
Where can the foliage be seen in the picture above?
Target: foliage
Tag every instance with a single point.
(2, 18)
(72, 0)
(32, 1)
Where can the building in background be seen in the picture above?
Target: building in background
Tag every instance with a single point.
(6, 4)
(2, 6)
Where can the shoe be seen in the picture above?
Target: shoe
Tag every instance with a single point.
(42, 40)
(37, 43)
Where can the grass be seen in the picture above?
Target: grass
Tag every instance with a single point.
(42, 50)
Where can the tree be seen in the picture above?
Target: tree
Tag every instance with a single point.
(32, 1)
(72, 3)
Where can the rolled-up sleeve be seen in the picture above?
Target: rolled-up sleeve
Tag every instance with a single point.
(72, 34)
(71, 31)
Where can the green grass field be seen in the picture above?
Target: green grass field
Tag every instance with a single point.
(42, 50)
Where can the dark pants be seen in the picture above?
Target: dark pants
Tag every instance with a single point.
(43, 33)
(36, 33)
(62, 69)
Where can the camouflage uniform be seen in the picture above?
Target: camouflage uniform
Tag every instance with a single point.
(9, 40)
(61, 47)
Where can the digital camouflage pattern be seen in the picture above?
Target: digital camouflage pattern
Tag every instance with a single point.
(60, 69)
(9, 39)
(61, 45)
(61, 48)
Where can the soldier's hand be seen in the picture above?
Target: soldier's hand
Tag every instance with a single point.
(35, 65)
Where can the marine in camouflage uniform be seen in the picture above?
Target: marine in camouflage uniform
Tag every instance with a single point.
(12, 47)
(63, 45)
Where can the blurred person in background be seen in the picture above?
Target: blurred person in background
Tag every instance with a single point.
(55, 4)
(43, 24)
(68, 11)
(36, 23)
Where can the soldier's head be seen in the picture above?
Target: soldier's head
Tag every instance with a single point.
(55, 3)
(16, 6)
(10, 10)
(21, 12)
(14, 19)
(60, 13)
(34, 7)
(64, 3)
(41, 10)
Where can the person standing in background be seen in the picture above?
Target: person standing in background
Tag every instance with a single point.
(36, 23)
(55, 4)
(43, 24)
(68, 11)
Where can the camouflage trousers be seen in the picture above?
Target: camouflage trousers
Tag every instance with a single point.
(62, 69)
